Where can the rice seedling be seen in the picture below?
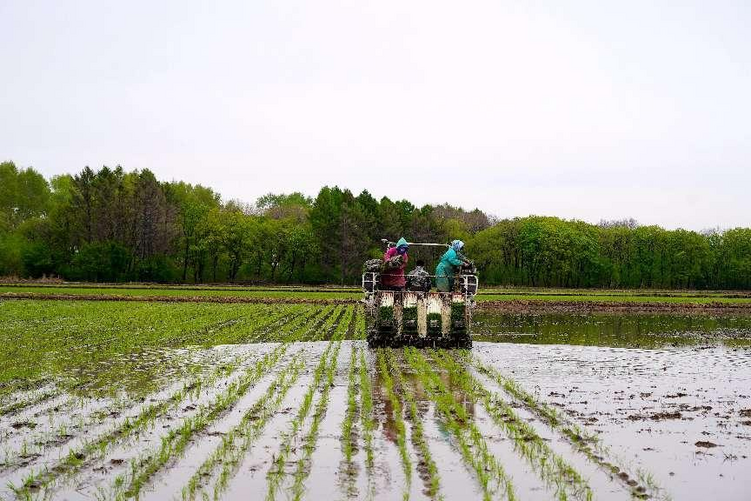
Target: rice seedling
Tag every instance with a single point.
(97, 447)
(175, 442)
(324, 331)
(587, 443)
(349, 416)
(366, 412)
(418, 433)
(552, 468)
(236, 442)
(276, 473)
(309, 442)
(471, 444)
(398, 416)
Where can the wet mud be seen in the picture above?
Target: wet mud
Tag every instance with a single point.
(593, 306)
(287, 401)
(175, 299)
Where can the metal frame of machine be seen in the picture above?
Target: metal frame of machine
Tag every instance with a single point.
(420, 318)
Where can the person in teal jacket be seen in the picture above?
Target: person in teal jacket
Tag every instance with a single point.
(450, 263)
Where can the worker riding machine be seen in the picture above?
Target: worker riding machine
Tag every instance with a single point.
(416, 316)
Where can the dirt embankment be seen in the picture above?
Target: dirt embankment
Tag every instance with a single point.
(173, 299)
(584, 307)
(510, 306)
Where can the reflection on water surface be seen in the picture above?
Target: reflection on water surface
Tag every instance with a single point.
(623, 331)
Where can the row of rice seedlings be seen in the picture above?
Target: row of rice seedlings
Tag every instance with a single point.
(348, 424)
(233, 329)
(552, 468)
(57, 426)
(255, 329)
(309, 442)
(86, 453)
(587, 443)
(345, 324)
(349, 436)
(276, 473)
(360, 328)
(309, 329)
(323, 332)
(177, 439)
(469, 439)
(397, 413)
(427, 464)
(367, 421)
(15, 390)
(299, 326)
(37, 398)
(261, 333)
(236, 442)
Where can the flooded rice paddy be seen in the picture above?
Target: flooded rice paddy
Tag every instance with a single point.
(183, 401)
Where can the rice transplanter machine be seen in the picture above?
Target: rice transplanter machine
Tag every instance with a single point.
(417, 316)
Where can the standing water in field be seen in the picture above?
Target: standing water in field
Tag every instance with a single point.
(670, 393)
(155, 401)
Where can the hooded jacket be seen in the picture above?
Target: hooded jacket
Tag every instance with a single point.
(448, 266)
(394, 277)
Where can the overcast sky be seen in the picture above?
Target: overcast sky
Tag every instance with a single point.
(579, 109)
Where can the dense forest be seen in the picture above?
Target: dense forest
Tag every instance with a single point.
(111, 225)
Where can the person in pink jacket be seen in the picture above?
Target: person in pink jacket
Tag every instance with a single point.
(393, 277)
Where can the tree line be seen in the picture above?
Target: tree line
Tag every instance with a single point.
(111, 225)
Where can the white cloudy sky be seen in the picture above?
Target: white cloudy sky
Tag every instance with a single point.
(580, 109)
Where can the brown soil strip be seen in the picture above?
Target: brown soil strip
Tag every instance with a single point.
(513, 306)
(147, 287)
(173, 299)
(585, 307)
(615, 292)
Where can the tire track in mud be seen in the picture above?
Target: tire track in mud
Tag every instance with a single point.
(639, 484)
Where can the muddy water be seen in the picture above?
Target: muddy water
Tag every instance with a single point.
(669, 398)
(668, 394)
(614, 330)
